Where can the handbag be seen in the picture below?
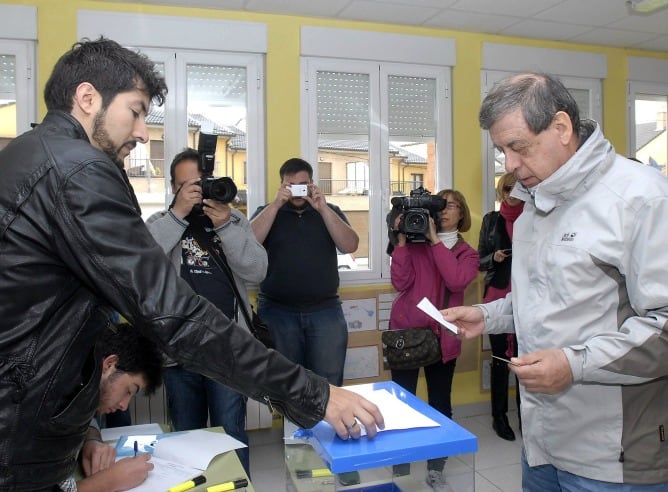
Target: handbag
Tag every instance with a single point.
(257, 327)
(410, 349)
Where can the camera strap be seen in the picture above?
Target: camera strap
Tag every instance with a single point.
(204, 240)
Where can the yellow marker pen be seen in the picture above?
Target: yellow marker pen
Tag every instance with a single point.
(318, 472)
(224, 487)
(182, 487)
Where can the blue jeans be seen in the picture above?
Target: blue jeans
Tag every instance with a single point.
(547, 478)
(316, 340)
(193, 399)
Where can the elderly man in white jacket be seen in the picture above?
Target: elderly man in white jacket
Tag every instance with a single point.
(589, 300)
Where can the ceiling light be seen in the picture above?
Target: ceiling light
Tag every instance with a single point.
(646, 6)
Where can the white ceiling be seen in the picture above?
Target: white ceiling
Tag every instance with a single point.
(599, 22)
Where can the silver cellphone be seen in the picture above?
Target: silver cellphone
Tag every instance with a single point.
(299, 189)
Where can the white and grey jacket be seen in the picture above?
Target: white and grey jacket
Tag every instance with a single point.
(247, 258)
(590, 276)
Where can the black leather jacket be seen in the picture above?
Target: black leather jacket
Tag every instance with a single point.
(493, 237)
(72, 246)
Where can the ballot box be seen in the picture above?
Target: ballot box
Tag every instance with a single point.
(395, 460)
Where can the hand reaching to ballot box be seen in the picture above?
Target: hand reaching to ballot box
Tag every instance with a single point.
(347, 410)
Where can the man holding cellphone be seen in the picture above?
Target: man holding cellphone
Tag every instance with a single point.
(298, 299)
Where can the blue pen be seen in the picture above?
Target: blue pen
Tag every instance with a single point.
(136, 448)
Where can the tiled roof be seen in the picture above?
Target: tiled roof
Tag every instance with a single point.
(645, 133)
(156, 117)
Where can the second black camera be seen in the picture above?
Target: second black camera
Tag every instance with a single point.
(416, 210)
(220, 189)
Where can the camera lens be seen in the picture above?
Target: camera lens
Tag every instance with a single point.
(220, 189)
(415, 222)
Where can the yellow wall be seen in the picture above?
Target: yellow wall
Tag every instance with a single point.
(8, 121)
(57, 32)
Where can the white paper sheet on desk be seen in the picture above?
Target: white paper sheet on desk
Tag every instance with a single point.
(428, 308)
(165, 474)
(113, 433)
(396, 413)
(195, 448)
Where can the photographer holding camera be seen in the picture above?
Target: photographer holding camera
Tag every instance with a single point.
(299, 298)
(430, 259)
(191, 397)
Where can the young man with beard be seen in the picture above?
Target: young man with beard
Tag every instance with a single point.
(74, 247)
(130, 363)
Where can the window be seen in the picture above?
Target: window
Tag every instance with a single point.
(651, 146)
(378, 132)
(215, 100)
(357, 178)
(219, 92)
(18, 25)
(417, 180)
(648, 105)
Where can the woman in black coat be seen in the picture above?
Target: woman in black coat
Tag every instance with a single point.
(495, 250)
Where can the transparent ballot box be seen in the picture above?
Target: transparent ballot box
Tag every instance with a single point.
(317, 460)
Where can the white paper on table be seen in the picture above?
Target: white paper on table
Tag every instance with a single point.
(396, 413)
(428, 308)
(166, 474)
(195, 448)
(114, 433)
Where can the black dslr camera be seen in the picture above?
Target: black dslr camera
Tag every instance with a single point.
(416, 210)
(220, 189)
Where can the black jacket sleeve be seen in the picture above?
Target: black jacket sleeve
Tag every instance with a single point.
(104, 240)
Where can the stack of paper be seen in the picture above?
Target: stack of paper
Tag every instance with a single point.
(180, 456)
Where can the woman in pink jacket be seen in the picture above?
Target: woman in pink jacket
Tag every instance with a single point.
(440, 269)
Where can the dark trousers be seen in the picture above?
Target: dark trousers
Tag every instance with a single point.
(499, 376)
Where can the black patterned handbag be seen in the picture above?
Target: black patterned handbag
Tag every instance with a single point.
(410, 349)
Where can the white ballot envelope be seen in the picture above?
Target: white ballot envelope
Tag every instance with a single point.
(428, 308)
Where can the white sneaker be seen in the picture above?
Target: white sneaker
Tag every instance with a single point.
(437, 481)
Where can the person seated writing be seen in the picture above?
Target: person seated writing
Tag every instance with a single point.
(130, 363)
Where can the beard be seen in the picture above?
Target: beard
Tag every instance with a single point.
(106, 391)
(103, 140)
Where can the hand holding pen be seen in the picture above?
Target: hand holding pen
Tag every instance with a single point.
(544, 371)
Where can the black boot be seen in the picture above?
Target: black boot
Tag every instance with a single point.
(502, 428)
(499, 387)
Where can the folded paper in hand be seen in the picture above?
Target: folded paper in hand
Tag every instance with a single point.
(428, 308)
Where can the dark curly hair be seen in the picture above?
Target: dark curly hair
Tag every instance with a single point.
(136, 353)
(109, 67)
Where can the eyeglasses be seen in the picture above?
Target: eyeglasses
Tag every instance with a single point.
(507, 188)
(452, 205)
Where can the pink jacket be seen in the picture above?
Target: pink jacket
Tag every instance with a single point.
(421, 270)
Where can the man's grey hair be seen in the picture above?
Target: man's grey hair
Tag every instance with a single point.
(539, 96)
